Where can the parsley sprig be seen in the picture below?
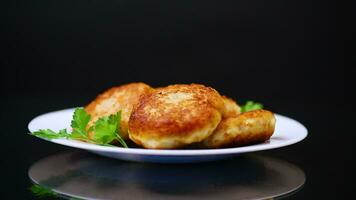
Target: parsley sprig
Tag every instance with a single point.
(40, 191)
(106, 129)
(251, 105)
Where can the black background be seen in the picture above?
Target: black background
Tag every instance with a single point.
(290, 55)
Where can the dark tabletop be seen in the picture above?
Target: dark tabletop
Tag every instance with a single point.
(286, 54)
(324, 156)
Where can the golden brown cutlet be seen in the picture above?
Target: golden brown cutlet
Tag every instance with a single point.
(231, 109)
(244, 129)
(121, 98)
(175, 116)
(179, 115)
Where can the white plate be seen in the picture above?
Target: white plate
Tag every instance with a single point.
(288, 131)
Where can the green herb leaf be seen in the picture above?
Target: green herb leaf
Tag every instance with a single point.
(40, 191)
(122, 141)
(80, 121)
(78, 136)
(106, 129)
(49, 134)
(250, 105)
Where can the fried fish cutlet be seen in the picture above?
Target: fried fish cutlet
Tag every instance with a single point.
(231, 109)
(244, 129)
(175, 116)
(121, 98)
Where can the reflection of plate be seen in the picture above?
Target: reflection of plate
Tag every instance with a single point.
(83, 175)
(288, 131)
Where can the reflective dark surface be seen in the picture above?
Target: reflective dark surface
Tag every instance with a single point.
(83, 175)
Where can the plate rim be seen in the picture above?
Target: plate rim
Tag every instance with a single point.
(174, 152)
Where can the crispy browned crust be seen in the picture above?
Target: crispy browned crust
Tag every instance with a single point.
(231, 109)
(118, 98)
(175, 116)
(244, 129)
